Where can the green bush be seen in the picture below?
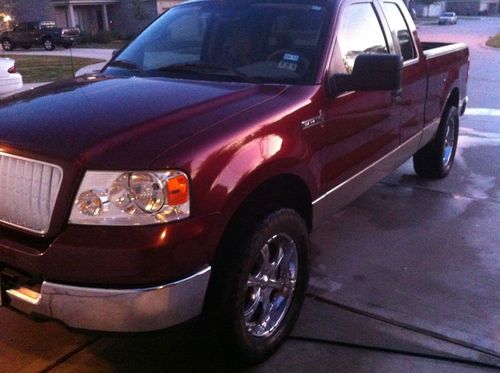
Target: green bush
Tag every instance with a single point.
(494, 41)
(100, 37)
(104, 37)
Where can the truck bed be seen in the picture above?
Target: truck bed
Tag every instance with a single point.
(445, 67)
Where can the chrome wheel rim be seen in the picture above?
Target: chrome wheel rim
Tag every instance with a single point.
(7, 45)
(271, 285)
(48, 44)
(449, 142)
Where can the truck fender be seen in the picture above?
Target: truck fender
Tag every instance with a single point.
(254, 165)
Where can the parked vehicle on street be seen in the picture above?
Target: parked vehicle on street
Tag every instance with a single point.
(448, 18)
(10, 79)
(44, 34)
(185, 177)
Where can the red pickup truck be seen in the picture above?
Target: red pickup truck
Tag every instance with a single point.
(185, 177)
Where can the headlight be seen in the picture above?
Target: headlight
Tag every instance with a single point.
(131, 198)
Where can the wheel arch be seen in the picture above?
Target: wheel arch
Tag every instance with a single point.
(280, 191)
(453, 98)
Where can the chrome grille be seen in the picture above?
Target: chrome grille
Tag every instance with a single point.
(28, 192)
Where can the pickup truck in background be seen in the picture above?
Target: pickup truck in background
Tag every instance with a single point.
(44, 34)
(185, 177)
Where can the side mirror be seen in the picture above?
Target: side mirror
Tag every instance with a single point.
(371, 72)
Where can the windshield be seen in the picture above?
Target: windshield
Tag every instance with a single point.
(269, 42)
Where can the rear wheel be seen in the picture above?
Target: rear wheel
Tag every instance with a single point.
(49, 45)
(259, 285)
(436, 158)
(7, 45)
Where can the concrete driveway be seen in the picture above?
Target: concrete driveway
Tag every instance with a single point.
(406, 278)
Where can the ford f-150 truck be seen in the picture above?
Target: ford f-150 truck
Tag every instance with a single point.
(43, 33)
(185, 177)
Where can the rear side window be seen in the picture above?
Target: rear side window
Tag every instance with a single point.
(359, 33)
(400, 28)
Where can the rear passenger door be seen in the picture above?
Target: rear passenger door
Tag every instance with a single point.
(412, 99)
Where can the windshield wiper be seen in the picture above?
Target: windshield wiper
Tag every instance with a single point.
(206, 68)
(129, 65)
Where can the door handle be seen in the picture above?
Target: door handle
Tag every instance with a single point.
(397, 96)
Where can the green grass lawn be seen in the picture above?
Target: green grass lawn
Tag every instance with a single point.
(494, 41)
(36, 69)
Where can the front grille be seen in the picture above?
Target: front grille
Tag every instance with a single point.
(28, 192)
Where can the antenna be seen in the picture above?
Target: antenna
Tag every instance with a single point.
(71, 58)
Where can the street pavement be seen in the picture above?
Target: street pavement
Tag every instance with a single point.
(405, 279)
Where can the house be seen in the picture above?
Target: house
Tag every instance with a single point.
(432, 10)
(123, 16)
(473, 7)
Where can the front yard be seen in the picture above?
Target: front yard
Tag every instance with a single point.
(36, 69)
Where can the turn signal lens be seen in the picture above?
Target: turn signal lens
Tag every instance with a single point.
(177, 190)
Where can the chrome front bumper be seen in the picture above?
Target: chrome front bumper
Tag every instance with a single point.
(115, 310)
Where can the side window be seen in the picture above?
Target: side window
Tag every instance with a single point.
(400, 29)
(21, 27)
(359, 33)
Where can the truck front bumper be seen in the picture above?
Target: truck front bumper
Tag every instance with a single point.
(115, 310)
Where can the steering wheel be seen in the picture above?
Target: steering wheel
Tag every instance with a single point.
(295, 61)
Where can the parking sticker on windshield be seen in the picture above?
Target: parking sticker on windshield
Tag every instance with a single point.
(291, 57)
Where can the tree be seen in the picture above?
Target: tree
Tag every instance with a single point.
(140, 13)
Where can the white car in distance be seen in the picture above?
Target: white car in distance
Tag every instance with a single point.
(10, 79)
(448, 18)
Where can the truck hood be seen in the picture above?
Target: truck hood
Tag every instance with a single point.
(101, 121)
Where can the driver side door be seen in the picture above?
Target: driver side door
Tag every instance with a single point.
(362, 127)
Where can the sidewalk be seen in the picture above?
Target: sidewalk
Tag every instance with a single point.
(104, 54)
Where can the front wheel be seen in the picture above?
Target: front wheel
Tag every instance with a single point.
(259, 286)
(436, 158)
(49, 45)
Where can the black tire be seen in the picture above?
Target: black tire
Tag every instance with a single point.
(435, 160)
(242, 285)
(49, 45)
(8, 45)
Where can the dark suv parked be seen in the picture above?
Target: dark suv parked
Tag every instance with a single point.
(44, 33)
